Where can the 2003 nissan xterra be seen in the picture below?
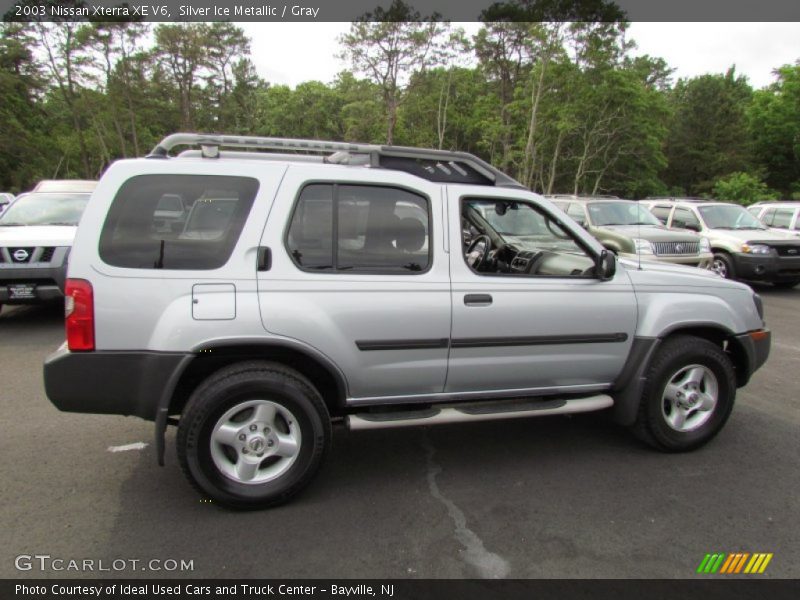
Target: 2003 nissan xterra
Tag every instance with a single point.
(377, 286)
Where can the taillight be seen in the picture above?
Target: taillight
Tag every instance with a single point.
(79, 312)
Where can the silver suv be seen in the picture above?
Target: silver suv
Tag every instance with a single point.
(743, 247)
(372, 287)
(630, 231)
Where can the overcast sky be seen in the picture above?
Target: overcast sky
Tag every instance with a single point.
(290, 53)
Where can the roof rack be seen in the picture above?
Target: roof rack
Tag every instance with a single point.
(434, 165)
(583, 196)
(683, 199)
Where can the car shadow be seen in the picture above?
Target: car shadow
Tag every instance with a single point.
(23, 316)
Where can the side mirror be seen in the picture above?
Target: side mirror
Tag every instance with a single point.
(605, 265)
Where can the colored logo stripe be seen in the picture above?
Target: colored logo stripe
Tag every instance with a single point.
(736, 562)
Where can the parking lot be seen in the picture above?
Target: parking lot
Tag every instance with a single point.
(548, 497)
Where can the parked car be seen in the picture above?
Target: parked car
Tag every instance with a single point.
(36, 234)
(743, 247)
(631, 231)
(5, 200)
(341, 288)
(781, 217)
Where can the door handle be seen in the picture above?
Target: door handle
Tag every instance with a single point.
(478, 299)
(264, 262)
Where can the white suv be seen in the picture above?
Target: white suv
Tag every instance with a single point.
(781, 217)
(36, 234)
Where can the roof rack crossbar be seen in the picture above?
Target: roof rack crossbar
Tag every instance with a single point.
(374, 151)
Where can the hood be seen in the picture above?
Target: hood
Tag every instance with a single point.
(669, 275)
(651, 233)
(750, 235)
(37, 235)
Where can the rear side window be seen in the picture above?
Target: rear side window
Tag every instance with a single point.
(684, 219)
(360, 228)
(768, 215)
(176, 221)
(783, 218)
(661, 213)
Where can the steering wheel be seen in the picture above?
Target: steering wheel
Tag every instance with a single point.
(478, 251)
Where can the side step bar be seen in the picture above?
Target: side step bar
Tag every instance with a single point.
(478, 411)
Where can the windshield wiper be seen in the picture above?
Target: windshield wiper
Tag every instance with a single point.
(12, 224)
(61, 223)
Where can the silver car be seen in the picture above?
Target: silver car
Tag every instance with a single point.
(372, 287)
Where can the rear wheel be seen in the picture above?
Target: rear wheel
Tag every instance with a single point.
(253, 435)
(688, 396)
(722, 265)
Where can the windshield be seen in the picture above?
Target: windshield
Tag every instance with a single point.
(45, 209)
(620, 213)
(728, 216)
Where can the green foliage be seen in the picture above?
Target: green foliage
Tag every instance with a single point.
(561, 106)
(743, 188)
(708, 132)
(774, 120)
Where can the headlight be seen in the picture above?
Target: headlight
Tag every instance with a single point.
(705, 245)
(755, 249)
(642, 246)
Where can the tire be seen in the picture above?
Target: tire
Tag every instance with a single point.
(253, 435)
(722, 264)
(785, 285)
(674, 418)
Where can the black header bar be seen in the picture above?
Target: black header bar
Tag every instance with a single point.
(450, 10)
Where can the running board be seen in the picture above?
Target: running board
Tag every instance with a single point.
(478, 411)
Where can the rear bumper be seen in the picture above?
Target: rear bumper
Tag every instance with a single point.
(766, 267)
(109, 383)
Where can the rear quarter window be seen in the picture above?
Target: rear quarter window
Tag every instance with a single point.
(137, 234)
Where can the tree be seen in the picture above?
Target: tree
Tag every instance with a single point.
(708, 131)
(774, 124)
(24, 151)
(387, 45)
(183, 52)
(743, 188)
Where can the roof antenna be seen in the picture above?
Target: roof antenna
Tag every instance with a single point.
(639, 232)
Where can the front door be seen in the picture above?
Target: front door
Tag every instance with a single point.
(528, 312)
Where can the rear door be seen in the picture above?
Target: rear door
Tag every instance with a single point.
(360, 274)
(533, 332)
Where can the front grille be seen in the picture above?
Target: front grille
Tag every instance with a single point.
(676, 248)
(791, 251)
(47, 254)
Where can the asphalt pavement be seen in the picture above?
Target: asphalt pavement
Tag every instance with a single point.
(542, 497)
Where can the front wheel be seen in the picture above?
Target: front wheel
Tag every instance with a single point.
(722, 265)
(688, 395)
(253, 435)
